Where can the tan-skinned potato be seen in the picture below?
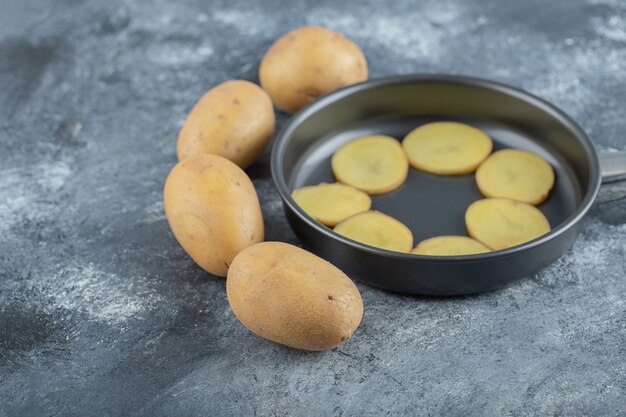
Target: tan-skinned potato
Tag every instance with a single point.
(235, 120)
(292, 297)
(309, 62)
(213, 210)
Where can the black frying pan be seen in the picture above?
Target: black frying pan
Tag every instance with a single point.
(432, 205)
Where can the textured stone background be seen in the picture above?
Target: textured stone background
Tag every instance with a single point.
(101, 312)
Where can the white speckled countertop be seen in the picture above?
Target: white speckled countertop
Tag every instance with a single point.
(102, 313)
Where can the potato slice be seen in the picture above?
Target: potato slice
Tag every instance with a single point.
(447, 148)
(374, 164)
(516, 174)
(501, 223)
(331, 203)
(377, 229)
(450, 246)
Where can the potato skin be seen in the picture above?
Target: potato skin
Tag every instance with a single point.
(234, 119)
(307, 63)
(292, 297)
(213, 210)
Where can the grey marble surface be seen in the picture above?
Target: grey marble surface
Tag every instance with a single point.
(102, 313)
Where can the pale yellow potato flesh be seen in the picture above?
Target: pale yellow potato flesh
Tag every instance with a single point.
(501, 223)
(377, 229)
(450, 246)
(516, 174)
(375, 164)
(447, 148)
(329, 204)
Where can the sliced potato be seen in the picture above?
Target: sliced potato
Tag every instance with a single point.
(374, 164)
(450, 246)
(516, 174)
(447, 148)
(377, 229)
(501, 223)
(331, 203)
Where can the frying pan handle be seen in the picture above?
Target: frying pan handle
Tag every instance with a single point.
(613, 169)
(613, 166)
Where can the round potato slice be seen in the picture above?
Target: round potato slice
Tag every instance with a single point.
(516, 174)
(377, 229)
(501, 223)
(331, 203)
(374, 164)
(447, 148)
(450, 246)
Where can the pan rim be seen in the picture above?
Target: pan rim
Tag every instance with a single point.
(281, 140)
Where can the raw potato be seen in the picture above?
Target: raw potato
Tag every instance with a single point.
(516, 174)
(377, 229)
(447, 148)
(234, 120)
(375, 164)
(213, 210)
(331, 203)
(501, 223)
(290, 296)
(449, 246)
(307, 63)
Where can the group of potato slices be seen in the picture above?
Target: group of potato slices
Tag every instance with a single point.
(512, 180)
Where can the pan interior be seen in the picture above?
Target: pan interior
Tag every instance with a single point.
(432, 205)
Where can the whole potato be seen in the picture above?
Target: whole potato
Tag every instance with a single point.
(234, 120)
(213, 210)
(290, 296)
(307, 63)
